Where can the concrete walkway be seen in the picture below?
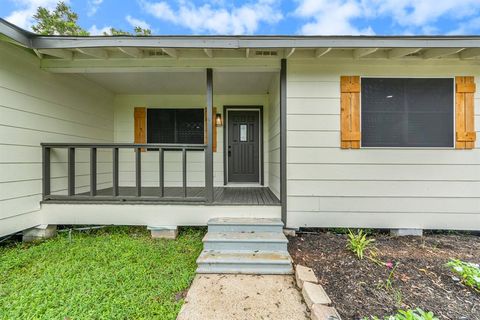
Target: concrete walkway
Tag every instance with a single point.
(224, 296)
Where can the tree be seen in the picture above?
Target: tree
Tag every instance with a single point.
(61, 21)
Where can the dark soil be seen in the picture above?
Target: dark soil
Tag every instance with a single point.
(358, 288)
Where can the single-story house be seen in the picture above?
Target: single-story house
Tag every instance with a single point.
(320, 131)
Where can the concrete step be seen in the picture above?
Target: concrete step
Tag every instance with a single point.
(244, 262)
(245, 225)
(245, 241)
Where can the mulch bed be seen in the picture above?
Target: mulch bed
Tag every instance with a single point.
(358, 288)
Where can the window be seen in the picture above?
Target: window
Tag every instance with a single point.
(407, 112)
(175, 126)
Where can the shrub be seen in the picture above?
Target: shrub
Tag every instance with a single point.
(358, 242)
(417, 314)
(469, 273)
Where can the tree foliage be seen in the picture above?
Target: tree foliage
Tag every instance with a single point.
(63, 21)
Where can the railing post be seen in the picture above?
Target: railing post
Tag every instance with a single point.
(115, 171)
(71, 171)
(138, 171)
(93, 172)
(184, 172)
(161, 172)
(209, 149)
(45, 172)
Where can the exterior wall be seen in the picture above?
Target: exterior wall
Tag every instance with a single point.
(124, 132)
(35, 107)
(380, 188)
(274, 136)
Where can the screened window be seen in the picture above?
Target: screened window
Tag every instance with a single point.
(407, 112)
(175, 126)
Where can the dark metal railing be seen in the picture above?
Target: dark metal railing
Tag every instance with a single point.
(115, 194)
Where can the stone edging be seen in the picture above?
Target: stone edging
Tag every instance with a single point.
(314, 295)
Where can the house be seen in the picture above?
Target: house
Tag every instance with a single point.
(164, 131)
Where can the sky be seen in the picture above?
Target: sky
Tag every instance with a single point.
(294, 17)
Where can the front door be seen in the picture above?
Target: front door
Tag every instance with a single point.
(243, 145)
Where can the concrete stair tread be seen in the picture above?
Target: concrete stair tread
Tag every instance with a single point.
(245, 222)
(244, 257)
(245, 237)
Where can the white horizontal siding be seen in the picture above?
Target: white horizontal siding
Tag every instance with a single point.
(385, 188)
(124, 132)
(37, 107)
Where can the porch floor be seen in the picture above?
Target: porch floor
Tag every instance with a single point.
(222, 195)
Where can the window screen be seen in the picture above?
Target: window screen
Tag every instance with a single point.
(175, 126)
(402, 112)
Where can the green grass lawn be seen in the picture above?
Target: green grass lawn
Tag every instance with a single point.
(111, 273)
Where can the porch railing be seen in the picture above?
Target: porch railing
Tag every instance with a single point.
(115, 192)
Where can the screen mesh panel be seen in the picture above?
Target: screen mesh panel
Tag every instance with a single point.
(175, 126)
(407, 112)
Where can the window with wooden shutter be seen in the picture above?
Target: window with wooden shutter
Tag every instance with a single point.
(140, 133)
(214, 146)
(465, 134)
(350, 112)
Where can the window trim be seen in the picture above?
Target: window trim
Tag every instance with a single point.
(175, 108)
(416, 77)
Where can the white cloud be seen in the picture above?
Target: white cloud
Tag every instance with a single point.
(94, 31)
(137, 22)
(412, 16)
(93, 6)
(216, 17)
(23, 16)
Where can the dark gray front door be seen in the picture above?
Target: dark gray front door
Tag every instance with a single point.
(243, 146)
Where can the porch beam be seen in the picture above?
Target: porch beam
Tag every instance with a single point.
(283, 139)
(94, 52)
(320, 52)
(171, 52)
(209, 149)
(438, 53)
(402, 52)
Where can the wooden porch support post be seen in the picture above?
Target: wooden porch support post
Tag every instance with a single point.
(209, 149)
(283, 139)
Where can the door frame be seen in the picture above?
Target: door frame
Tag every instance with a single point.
(258, 108)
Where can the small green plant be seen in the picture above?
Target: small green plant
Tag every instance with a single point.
(469, 273)
(358, 242)
(416, 314)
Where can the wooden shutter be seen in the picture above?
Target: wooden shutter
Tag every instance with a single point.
(350, 112)
(205, 139)
(465, 134)
(140, 125)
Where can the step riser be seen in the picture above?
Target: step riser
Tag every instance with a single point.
(244, 228)
(245, 268)
(245, 246)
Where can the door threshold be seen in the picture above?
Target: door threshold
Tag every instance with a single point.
(243, 184)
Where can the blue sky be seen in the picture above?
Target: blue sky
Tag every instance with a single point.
(307, 17)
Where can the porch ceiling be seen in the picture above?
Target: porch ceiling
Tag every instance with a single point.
(183, 82)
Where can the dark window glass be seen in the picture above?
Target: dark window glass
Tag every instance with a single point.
(175, 126)
(399, 112)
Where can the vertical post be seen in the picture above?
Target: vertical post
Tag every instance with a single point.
(71, 171)
(209, 149)
(283, 139)
(93, 172)
(115, 171)
(45, 172)
(184, 172)
(160, 170)
(138, 170)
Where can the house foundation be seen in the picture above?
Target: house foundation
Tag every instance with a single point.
(41, 232)
(163, 232)
(406, 232)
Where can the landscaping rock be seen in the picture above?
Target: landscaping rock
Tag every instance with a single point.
(314, 294)
(323, 312)
(304, 274)
(290, 232)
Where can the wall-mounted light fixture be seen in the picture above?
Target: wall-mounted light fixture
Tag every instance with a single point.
(218, 120)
